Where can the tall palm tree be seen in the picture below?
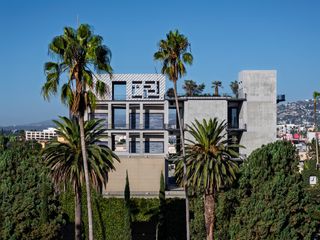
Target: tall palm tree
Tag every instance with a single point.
(210, 164)
(192, 88)
(77, 51)
(315, 99)
(216, 85)
(65, 160)
(174, 54)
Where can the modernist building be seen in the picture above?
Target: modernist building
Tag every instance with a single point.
(44, 135)
(142, 128)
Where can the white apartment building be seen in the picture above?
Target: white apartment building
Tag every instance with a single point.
(44, 135)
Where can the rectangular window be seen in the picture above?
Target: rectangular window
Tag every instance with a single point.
(233, 118)
(145, 93)
(134, 120)
(153, 147)
(119, 118)
(172, 118)
(119, 143)
(134, 146)
(103, 116)
(153, 120)
(119, 91)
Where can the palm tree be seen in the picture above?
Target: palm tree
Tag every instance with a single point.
(216, 85)
(315, 98)
(234, 87)
(192, 88)
(173, 53)
(210, 164)
(77, 52)
(65, 160)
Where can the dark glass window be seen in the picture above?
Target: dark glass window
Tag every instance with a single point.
(103, 116)
(233, 118)
(134, 147)
(134, 120)
(153, 121)
(172, 118)
(153, 147)
(119, 118)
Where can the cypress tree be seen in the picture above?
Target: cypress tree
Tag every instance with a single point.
(127, 191)
(161, 227)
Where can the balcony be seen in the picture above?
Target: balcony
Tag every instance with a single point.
(236, 127)
(281, 98)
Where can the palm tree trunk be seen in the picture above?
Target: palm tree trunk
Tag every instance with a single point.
(86, 175)
(209, 208)
(77, 214)
(184, 163)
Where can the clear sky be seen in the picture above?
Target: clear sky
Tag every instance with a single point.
(226, 37)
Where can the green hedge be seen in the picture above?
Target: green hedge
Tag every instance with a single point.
(110, 217)
(112, 221)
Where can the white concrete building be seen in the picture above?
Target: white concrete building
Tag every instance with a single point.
(44, 135)
(142, 128)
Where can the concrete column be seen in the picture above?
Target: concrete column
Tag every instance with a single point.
(141, 123)
(166, 113)
(165, 142)
(109, 140)
(141, 143)
(109, 116)
(127, 142)
(127, 116)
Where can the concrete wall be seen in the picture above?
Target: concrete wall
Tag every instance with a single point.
(144, 174)
(204, 109)
(259, 112)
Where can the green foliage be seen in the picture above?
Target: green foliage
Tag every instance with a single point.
(65, 158)
(208, 158)
(197, 223)
(234, 86)
(111, 219)
(28, 207)
(191, 88)
(110, 216)
(272, 202)
(77, 51)
(161, 227)
(173, 53)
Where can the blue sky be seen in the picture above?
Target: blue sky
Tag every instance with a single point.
(226, 37)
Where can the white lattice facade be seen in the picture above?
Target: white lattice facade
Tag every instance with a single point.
(138, 86)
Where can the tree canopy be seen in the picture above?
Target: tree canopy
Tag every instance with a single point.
(270, 201)
(28, 207)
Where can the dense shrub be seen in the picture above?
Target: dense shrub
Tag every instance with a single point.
(197, 223)
(110, 217)
(270, 201)
(28, 207)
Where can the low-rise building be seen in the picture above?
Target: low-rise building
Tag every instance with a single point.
(44, 135)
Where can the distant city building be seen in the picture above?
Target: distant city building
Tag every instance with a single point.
(44, 135)
(142, 127)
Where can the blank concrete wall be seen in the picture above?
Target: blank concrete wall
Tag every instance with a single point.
(204, 109)
(144, 174)
(259, 112)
